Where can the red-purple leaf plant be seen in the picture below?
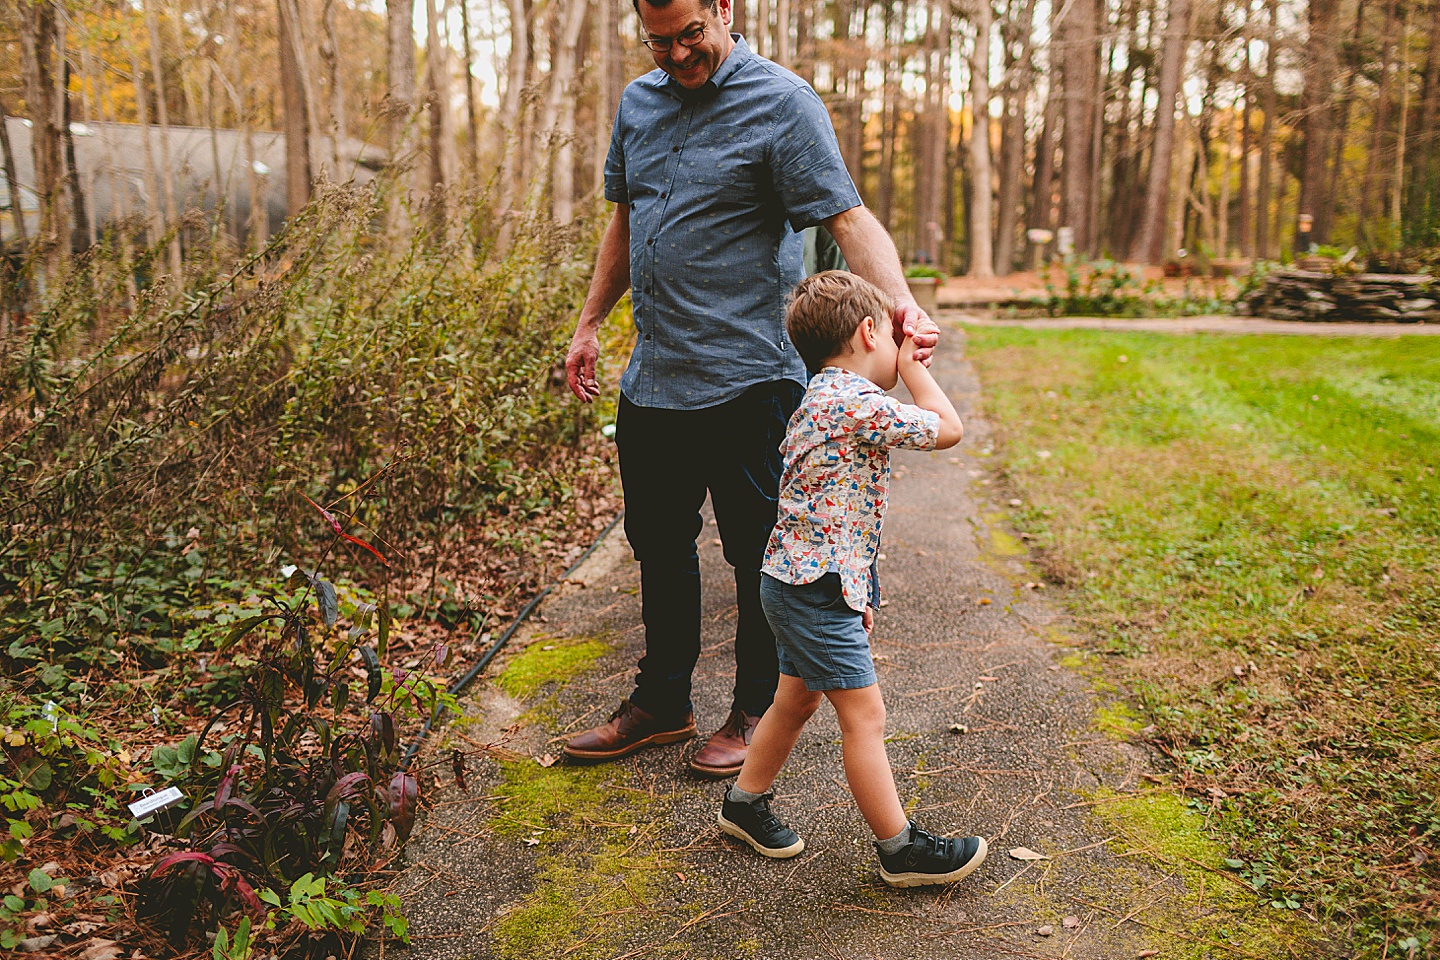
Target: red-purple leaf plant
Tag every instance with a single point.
(298, 789)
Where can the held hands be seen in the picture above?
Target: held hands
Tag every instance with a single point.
(580, 365)
(911, 321)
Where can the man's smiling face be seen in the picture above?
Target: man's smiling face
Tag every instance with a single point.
(691, 65)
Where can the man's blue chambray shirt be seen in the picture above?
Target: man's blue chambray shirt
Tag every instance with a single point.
(719, 182)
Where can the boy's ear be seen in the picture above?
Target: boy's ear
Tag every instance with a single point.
(867, 331)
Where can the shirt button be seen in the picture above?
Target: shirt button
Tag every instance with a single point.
(663, 196)
(647, 336)
(650, 242)
(674, 149)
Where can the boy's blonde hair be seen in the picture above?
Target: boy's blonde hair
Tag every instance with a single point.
(825, 310)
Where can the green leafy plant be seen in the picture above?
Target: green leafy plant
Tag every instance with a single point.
(56, 762)
(1108, 289)
(14, 907)
(345, 908)
(919, 270)
(237, 948)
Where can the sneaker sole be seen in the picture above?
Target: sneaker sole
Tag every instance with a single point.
(775, 853)
(931, 879)
(654, 740)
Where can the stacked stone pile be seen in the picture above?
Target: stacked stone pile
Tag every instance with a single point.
(1360, 297)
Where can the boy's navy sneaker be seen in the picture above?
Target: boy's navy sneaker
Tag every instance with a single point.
(927, 859)
(756, 825)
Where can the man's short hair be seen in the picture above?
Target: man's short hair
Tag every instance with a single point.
(712, 4)
(826, 309)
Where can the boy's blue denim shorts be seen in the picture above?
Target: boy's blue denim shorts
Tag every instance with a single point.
(818, 637)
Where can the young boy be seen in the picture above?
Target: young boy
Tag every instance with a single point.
(818, 585)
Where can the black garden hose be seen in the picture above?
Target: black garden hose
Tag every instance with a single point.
(460, 683)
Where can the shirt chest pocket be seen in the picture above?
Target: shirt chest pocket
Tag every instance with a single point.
(718, 155)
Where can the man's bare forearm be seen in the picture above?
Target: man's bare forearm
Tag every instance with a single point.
(869, 251)
(612, 272)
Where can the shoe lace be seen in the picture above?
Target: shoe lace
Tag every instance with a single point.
(735, 723)
(768, 820)
(927, 844)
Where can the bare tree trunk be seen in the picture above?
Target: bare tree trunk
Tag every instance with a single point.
(1077, 38)
(1399, 185)
(1374, 170)
(784, 44)
(607, 44)
(1019, 78)
(1320, 69)
(560, 115)
(37, 51)
(1103, 67)
(1123, 189)
(298, 171)
(1268, 106)
(162, 114)
(1423, 204)
(330, 59)
(889, 124)
(1222, 207)
(1247, 138)
(472, 128)
(400, 88)
(982, 252)
(188, 96)
(72, 174)
(89, 86)
(1148, 246)
(1042, 187)
(517, 68)
(435, 89)
(933, 138)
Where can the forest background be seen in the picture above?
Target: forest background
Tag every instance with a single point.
(1223, 128)
(285, 289)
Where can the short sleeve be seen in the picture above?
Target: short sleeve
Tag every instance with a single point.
(806, 167)
(883, 421)
(616, 189)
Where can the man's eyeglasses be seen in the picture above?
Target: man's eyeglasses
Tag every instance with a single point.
(688, 38)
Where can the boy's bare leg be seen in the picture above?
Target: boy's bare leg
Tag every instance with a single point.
(776, 734)
(867, 767)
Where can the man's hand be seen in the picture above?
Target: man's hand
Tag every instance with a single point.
(867, 619)
(911, 321)
(580, 365)
(871, 254)
(607, 286)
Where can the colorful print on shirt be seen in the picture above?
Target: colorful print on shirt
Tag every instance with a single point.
(837, 480)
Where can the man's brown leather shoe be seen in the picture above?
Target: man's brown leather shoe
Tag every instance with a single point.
(724, 753)
(628, 729)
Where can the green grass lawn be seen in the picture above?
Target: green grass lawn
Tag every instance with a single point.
(1250, 526)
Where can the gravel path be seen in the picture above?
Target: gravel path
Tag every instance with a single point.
(962, 640)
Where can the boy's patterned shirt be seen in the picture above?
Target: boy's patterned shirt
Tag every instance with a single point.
(837, 480)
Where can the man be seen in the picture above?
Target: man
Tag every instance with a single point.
(716, 160)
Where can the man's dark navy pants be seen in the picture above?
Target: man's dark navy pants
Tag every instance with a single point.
(669, 459)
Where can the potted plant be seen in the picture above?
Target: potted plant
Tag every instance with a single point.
(924, 282)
